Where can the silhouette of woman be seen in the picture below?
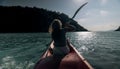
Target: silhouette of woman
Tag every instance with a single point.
(59, 37)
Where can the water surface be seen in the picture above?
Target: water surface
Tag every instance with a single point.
(23, 50)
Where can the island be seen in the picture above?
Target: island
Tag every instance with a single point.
(31, 19)
(118, 29)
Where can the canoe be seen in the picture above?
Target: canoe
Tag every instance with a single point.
(73, 60)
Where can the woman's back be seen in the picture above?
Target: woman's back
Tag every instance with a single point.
(59, 37)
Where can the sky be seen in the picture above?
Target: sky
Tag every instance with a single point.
(97, 15)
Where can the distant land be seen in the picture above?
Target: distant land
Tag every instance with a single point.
(118, 29)
(30, 19)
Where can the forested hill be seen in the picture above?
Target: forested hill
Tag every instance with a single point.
(30, 19)
(118, 29)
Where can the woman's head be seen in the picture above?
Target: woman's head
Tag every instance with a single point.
(55, 25)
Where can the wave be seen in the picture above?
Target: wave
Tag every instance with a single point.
(9, 62)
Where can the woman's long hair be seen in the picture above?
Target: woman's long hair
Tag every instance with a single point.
(55, 25)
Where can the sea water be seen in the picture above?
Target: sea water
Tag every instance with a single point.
(23, 50)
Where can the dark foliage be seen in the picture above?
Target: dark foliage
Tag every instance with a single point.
(26, 19)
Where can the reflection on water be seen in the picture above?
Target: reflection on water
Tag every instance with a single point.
(101, 49)
(85, 35)
(83, 41)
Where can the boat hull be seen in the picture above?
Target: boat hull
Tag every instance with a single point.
(73, 60)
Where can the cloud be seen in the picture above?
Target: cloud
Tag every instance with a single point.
(82, 20)
(103, 2)
(96, 25)
(104, 13)
(1, 1)
(80, 1)
(99, 20)
(97, 13)
(93, 24)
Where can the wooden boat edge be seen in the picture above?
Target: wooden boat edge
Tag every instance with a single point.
(83, 59)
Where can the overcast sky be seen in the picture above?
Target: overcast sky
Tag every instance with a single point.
(97, 15)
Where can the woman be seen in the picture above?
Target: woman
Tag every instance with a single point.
(60, 46)
(59, 37)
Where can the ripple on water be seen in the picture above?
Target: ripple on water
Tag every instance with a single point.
(9, 62)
